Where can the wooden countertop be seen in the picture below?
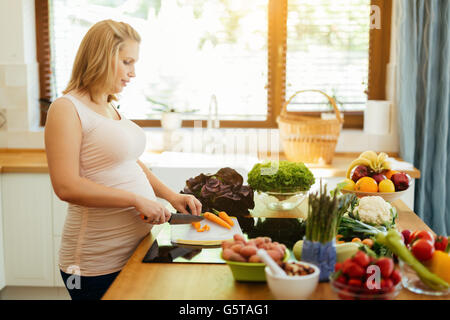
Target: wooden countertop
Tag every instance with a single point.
(35, 161)
(162, 281)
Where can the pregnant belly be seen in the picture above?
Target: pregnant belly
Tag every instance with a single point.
(127, 176)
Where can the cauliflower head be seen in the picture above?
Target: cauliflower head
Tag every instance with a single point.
(374, 210)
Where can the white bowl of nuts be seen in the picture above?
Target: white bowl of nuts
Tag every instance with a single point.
(299, 283)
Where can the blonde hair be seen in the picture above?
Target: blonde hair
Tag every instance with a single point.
(92, 69)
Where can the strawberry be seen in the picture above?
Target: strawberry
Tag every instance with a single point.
(386, 266)
(406, 236)
(337, 267)
(396, 277)
(355, 283)
(353, 270)
(361, 259)
(342, 279)
(386, 285)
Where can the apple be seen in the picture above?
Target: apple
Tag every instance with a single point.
(378, 177)
(359, 172)
(401, 181)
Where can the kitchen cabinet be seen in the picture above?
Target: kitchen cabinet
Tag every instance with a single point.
(27, 226)
(2, 260)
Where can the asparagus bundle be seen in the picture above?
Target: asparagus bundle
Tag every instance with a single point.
(325, 214)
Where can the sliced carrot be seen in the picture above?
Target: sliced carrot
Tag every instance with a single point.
(204, 228)
(339, 236)
(207, 227)
(196, 225)
(356, 240)
(212, 217)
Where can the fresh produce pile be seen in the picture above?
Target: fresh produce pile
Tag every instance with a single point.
(371, 172)
(280, 176)
(222, 191)
(355, 279)
(296, 269)
(241, 250)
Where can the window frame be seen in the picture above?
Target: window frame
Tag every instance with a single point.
(379, 51)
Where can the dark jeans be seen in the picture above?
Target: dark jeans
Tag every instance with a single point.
(87, 288)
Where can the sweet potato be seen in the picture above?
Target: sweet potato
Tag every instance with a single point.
(254, 259)
(248, 251)
(237, 257)
(275, 254)
(227, 253)
(236, 247)
(227, 244)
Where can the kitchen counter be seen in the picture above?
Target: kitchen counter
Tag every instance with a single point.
(35, 161)
(161, 281)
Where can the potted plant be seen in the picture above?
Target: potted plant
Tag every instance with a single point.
(171, 117)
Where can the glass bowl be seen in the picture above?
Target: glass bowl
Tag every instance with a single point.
(281, 201)
(412, 282)
(346, 292)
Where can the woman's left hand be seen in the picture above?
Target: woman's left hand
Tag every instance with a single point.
(181, 201)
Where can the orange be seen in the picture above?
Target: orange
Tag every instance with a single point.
(366, 184)
(390, 173)
(386, 185)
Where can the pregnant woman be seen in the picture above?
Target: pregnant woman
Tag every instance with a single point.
(92, 152)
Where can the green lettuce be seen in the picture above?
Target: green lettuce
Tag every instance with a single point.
(280, 176)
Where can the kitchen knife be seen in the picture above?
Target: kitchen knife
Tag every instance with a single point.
(180, 218)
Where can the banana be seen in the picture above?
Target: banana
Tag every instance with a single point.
(371, 155)
(371, 160)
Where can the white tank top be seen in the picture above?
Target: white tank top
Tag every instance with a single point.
(98, 241)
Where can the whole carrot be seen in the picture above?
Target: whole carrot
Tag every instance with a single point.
(224, 216)
(212, 217)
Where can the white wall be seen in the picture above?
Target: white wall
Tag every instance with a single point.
(19, 80)
(19, 89)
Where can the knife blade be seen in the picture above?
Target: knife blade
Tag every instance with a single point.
(179, 218)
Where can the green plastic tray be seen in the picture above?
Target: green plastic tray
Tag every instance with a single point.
(247, 271)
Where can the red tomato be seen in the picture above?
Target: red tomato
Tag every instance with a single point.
(440, 243)
(422, 249)
(417, 235)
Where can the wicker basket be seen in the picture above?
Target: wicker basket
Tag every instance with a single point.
(309, 139)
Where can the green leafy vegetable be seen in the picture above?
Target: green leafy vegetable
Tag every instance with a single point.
(280, 176)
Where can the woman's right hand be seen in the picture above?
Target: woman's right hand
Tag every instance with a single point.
(153, 211)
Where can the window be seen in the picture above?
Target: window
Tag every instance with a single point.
(251, 55)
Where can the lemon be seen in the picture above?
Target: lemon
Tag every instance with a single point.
(386, 185)
(349, 184)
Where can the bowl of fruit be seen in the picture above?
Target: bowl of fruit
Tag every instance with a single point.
(240, 255)
(366, 278)
(433, 260)
(371, 175)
